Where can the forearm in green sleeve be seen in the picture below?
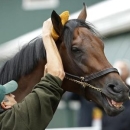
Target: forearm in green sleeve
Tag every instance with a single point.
(38, 108)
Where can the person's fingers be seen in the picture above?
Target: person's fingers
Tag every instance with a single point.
(47, 26)
(2, 105)
(7, 103)
(5, 106)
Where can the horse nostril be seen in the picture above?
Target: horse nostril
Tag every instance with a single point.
(114, 88)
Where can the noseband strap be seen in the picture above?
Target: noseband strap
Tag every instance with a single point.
(94, 75)
(100, 73)
(83, 80)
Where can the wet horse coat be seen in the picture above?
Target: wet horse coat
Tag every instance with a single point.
(82, 53)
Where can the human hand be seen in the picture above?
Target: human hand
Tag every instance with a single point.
(54, 63)
(47, 27)
(8, 101)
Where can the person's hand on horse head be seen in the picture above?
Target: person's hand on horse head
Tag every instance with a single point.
(47, 27)
(54, 64)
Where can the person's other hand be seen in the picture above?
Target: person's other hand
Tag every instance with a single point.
(8, 102)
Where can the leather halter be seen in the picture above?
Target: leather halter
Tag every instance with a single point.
(83, 80)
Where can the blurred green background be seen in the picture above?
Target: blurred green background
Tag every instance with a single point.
(15, 21)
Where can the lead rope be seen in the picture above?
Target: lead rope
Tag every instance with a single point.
(84, 84)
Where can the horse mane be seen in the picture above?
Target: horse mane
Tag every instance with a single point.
(25, 61)
(27, 58)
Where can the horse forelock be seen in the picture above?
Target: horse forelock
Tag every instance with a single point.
(70, 27)
(23, 62)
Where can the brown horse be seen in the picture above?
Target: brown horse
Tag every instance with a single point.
(88, 72)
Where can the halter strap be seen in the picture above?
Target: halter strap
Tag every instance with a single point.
(83, 80)
(100, 73)
(92, 76)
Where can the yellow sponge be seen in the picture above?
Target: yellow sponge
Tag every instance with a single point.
(64, 18)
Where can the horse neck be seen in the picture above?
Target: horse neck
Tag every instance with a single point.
(26, 83)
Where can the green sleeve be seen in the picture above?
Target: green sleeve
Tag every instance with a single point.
(37, 109)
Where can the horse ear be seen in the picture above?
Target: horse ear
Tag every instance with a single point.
(83, 13)
(56, 22)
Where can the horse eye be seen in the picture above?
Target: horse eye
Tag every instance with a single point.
(75, 49)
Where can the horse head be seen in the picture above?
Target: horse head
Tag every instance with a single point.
(88, 72)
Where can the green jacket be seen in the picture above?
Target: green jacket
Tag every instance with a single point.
(37, 109)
